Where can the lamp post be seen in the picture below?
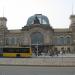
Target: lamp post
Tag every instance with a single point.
(37, 48)
(1, 43)
(1, 46)
(74, 44)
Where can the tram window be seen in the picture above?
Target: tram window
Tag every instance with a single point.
(16, 50)
(9, 50)
(5, 50)
(24, 50)
(1, 50)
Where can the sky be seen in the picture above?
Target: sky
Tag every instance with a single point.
(17, 12)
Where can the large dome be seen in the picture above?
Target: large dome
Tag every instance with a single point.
(38, 19)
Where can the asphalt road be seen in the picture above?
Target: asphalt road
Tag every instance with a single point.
(29, 70)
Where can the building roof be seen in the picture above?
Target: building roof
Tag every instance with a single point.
(42, 19)
(15, 31)
(62, 30)
(3, 18)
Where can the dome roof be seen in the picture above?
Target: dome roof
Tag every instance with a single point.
(38, 19)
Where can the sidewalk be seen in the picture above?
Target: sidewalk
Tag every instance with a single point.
(59, 55)
(65, 60)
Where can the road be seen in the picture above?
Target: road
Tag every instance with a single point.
(30, 70)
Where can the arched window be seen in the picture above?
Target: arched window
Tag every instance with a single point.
(60, 41)
(7, 41)
(55, 41)
(37, 37)
(68, 40)
(13, 40)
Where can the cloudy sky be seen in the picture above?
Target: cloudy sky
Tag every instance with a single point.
(18, 11)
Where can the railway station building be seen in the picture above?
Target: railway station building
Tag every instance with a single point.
(39, 32)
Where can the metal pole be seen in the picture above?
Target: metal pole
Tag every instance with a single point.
(62, 57)
(1, 47)
(37, 48)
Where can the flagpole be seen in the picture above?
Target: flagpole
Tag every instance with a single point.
(72, 7)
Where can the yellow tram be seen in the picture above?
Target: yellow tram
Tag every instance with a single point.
(15, 52)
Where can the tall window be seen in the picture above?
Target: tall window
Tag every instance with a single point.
(37, 37)
(7, 41)
(60, 41)
(68, 40)
(55, 41)
(13, 40)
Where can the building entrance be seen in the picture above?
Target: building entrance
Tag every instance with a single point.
(40, 50)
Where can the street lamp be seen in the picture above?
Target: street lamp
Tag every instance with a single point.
(36, 45)
(37, 48)
(1, 43)
(1, 46)
(74, 44)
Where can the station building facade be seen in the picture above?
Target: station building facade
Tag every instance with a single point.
(39, 32)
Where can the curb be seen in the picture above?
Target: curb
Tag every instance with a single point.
(38, 65)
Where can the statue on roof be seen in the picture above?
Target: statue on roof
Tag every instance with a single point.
(36, 20)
